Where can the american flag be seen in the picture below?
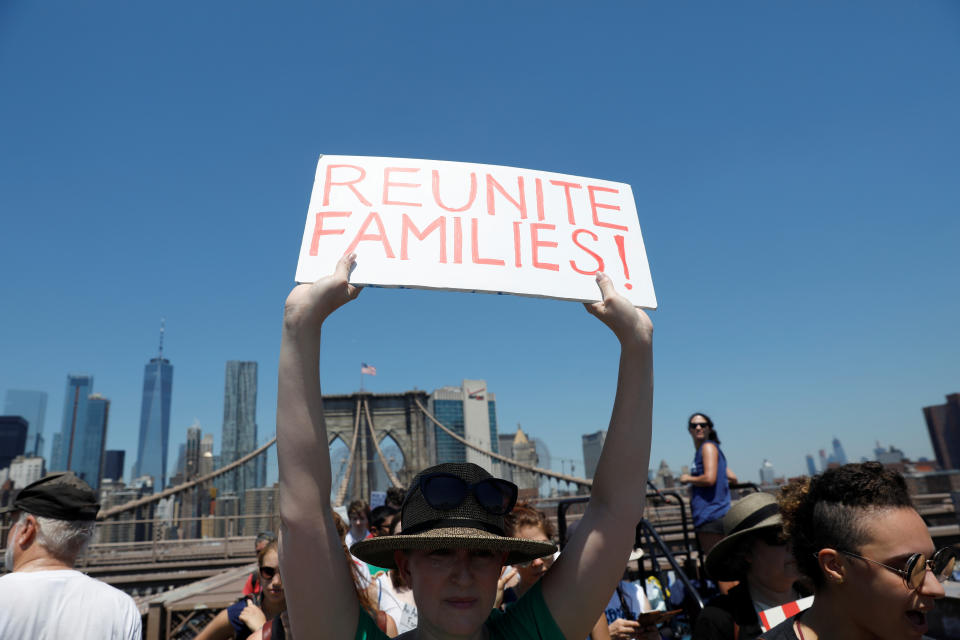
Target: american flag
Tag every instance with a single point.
(366, 369)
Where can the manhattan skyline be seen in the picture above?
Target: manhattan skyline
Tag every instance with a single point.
(794, 169)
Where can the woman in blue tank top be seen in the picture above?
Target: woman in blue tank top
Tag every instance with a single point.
(709, 481)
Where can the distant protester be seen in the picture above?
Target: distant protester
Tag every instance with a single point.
(753, 552)
(854, 533)
(394, 596)
(52, 521)
(249, 614)
(709, 481)
(358, 514)
(381, 519)
(252, 585)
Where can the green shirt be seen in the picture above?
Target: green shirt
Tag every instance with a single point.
(528, 619)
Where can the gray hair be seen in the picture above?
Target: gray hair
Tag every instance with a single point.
(64, 539)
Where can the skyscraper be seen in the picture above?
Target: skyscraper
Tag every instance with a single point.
(88, 450)
(192, 467)
(113, 460)
(811, 467)
(32, 406)
(838, 454)
(470, 412)
(943, 424)
(79, 388)
(767, 473)
(239, 425)
(205, 466)
(592, 446)
(155, 419)
(13, 438)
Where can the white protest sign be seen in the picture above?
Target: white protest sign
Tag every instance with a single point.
(474, 227)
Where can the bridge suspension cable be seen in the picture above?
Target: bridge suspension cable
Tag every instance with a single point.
(344, 484)
(394, 480)
(186, 486)
(345, 481)
(496, 456)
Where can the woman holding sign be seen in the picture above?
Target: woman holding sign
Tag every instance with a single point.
(452, 546)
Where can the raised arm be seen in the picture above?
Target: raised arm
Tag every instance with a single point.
(319, 589)
(580, 583)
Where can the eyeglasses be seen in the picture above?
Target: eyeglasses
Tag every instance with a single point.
(267, 573)
(694, 425)
(445, 491)
(547, 560)
(915, 569)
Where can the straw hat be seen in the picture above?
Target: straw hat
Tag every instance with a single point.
(467, 526)
(754, 512)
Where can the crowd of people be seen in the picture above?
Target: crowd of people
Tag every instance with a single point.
(454, 556)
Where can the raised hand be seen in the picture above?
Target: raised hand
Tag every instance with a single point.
(630, 324)
(252, 616)
(310, 304)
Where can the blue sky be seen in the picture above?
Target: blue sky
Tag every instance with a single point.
(795, 168)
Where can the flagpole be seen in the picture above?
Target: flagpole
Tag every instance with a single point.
(361, 378)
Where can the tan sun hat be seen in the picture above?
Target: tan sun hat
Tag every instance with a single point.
(752, 513)
(467, 525)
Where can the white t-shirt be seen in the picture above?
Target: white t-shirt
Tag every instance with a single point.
(398, 605)
(50, 605)
(635, 598)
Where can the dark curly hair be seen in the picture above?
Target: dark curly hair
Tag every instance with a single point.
(827, 511)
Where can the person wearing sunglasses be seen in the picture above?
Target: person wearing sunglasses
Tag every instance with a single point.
(246, 616)
(753, 552)
(452, 544)
(875, 571)
(709, 481)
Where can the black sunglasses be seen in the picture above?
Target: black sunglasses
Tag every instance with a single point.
(445, 491)
(267, 573)
(694, 425)
(915, 568)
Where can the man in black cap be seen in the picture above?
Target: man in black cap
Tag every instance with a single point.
(52, 521)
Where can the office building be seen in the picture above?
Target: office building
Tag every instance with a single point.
(525, 452)
(811, 466)
(56, 450)
(134, 525)
(767, 474)
(239, 435)
(113, 460)
(13, 438)
(226, 509)
(192, 464)
(88, 448)
(32, 407)
(206, 464)
(154, 439)
(470, 412)
(839, 456)
(943, 424)
(592, 446)
(26, 469)
(79, 388)
(261, 510)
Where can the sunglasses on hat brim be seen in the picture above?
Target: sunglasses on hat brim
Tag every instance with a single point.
(445, 491)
